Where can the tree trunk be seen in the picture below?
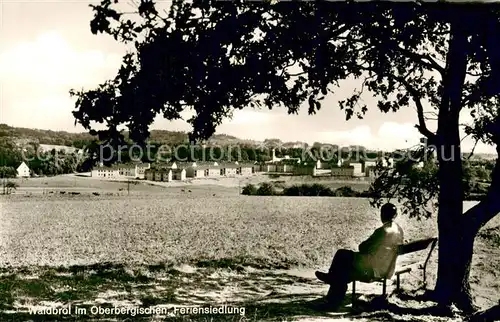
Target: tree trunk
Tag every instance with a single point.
(456, 238)
(455, 257)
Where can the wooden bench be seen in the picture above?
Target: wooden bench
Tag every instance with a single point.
(408, 248)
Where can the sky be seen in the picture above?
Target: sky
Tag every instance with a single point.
(46, 49)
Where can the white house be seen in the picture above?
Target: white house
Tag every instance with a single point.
(105, 172)
(369, 164)
(358, 169)
(268, 167)
(140, 170)
(149, 174)
(179, 174)
(229, 170)
(275, 159)
(23, 171)
(283, 167)
(127, 170)
(203, 163)
(193, 172)
(121, 170)
(245, 170)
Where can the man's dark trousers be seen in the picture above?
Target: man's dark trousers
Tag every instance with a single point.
(340, 275)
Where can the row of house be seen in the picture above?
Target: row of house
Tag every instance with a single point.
(197, 170)
(135, 170)
(344, 169)
(175, 170)
(183, 170)
(165, 174)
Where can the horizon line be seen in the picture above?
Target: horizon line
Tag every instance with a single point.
(238, 138)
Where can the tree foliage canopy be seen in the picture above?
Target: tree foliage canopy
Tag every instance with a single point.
(214, 57)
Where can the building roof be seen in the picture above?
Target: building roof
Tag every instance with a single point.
(204, 162)
(125, 166)
(347, 167)
(121, 166)
(165, 164)
(190, 164)
(343, 168)
(22, 164)
(162, 169)
(209, 167)
(306, 165)
(229, 166)
(112, 168)
(235, 166)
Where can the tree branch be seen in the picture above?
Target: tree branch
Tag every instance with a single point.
(422, 126)
(285, 68)
(473, 149)
(475, 74)
(489, 207)
(421, 59)
(298, 74)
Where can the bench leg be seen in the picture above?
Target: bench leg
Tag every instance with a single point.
(353, 292)
(384, 287)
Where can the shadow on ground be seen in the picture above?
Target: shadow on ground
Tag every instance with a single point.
(265, 294)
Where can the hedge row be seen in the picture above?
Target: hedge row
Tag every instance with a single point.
(307, 190)
(313, 190)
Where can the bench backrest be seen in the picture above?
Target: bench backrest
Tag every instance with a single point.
(416, 246)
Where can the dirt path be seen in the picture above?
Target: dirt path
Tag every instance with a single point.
(265, 295)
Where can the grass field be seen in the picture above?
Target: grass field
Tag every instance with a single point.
(276, 231)
(166, 246)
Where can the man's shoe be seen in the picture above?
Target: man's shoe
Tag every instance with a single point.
(325, 305)
(324, 277)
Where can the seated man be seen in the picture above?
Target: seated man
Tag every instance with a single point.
(376, 258)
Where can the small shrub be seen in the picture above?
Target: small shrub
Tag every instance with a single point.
(9, 186)
(346, 191)
(249, 190)
(314, 190)
(279, 184)
(319, 190)
(266, 189)
(294, 190)
(7, 172)
(365, 194)
(492, 235)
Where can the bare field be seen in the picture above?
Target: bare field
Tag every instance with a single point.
(141, 229)
(134, 249)
(87, 185)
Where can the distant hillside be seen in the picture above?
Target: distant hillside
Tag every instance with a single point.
(62, 138)
(25, 135)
